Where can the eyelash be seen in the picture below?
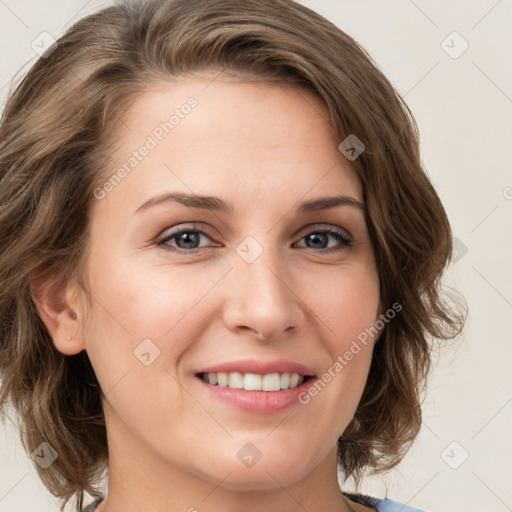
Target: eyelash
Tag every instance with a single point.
(343, 237)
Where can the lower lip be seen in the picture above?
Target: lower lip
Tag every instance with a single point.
(262, 402)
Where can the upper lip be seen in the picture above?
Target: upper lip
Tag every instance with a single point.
(260, 367)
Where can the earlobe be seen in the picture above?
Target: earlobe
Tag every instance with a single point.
(50, 294)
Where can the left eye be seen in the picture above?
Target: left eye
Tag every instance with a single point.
(318, 237)
(187, 239)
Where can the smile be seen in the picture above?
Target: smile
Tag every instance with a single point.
(254, 381)
(254, 393)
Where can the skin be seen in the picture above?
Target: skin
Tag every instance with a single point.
(263, 148)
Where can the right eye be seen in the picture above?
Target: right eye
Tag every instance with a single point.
(185, 240)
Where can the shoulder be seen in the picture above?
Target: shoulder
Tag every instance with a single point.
(387, 505)
(382, 505)
(94, 505)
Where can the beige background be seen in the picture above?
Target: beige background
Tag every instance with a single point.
(463, 107)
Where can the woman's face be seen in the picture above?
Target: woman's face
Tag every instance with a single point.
(257, 283)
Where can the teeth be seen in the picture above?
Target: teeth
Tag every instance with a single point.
(253, 381)
(222, 379)
(236, 380)
(271, 382)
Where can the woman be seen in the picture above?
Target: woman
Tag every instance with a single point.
(169, 316)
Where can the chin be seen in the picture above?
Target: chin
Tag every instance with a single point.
(268, 473)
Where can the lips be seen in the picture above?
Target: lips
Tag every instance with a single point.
(256, 386)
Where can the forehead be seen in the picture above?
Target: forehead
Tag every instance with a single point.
(210, 135)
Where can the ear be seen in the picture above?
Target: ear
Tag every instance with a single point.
(56, 300)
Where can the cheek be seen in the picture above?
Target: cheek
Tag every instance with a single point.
(348, 303)
(135, 338)
(144, 320)
(346, 311)
(134, 299)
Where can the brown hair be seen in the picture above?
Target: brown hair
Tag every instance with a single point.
(54, 134)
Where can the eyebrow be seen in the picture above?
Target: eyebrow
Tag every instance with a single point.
(218, 205)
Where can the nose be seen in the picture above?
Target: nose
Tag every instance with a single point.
(263, 298)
